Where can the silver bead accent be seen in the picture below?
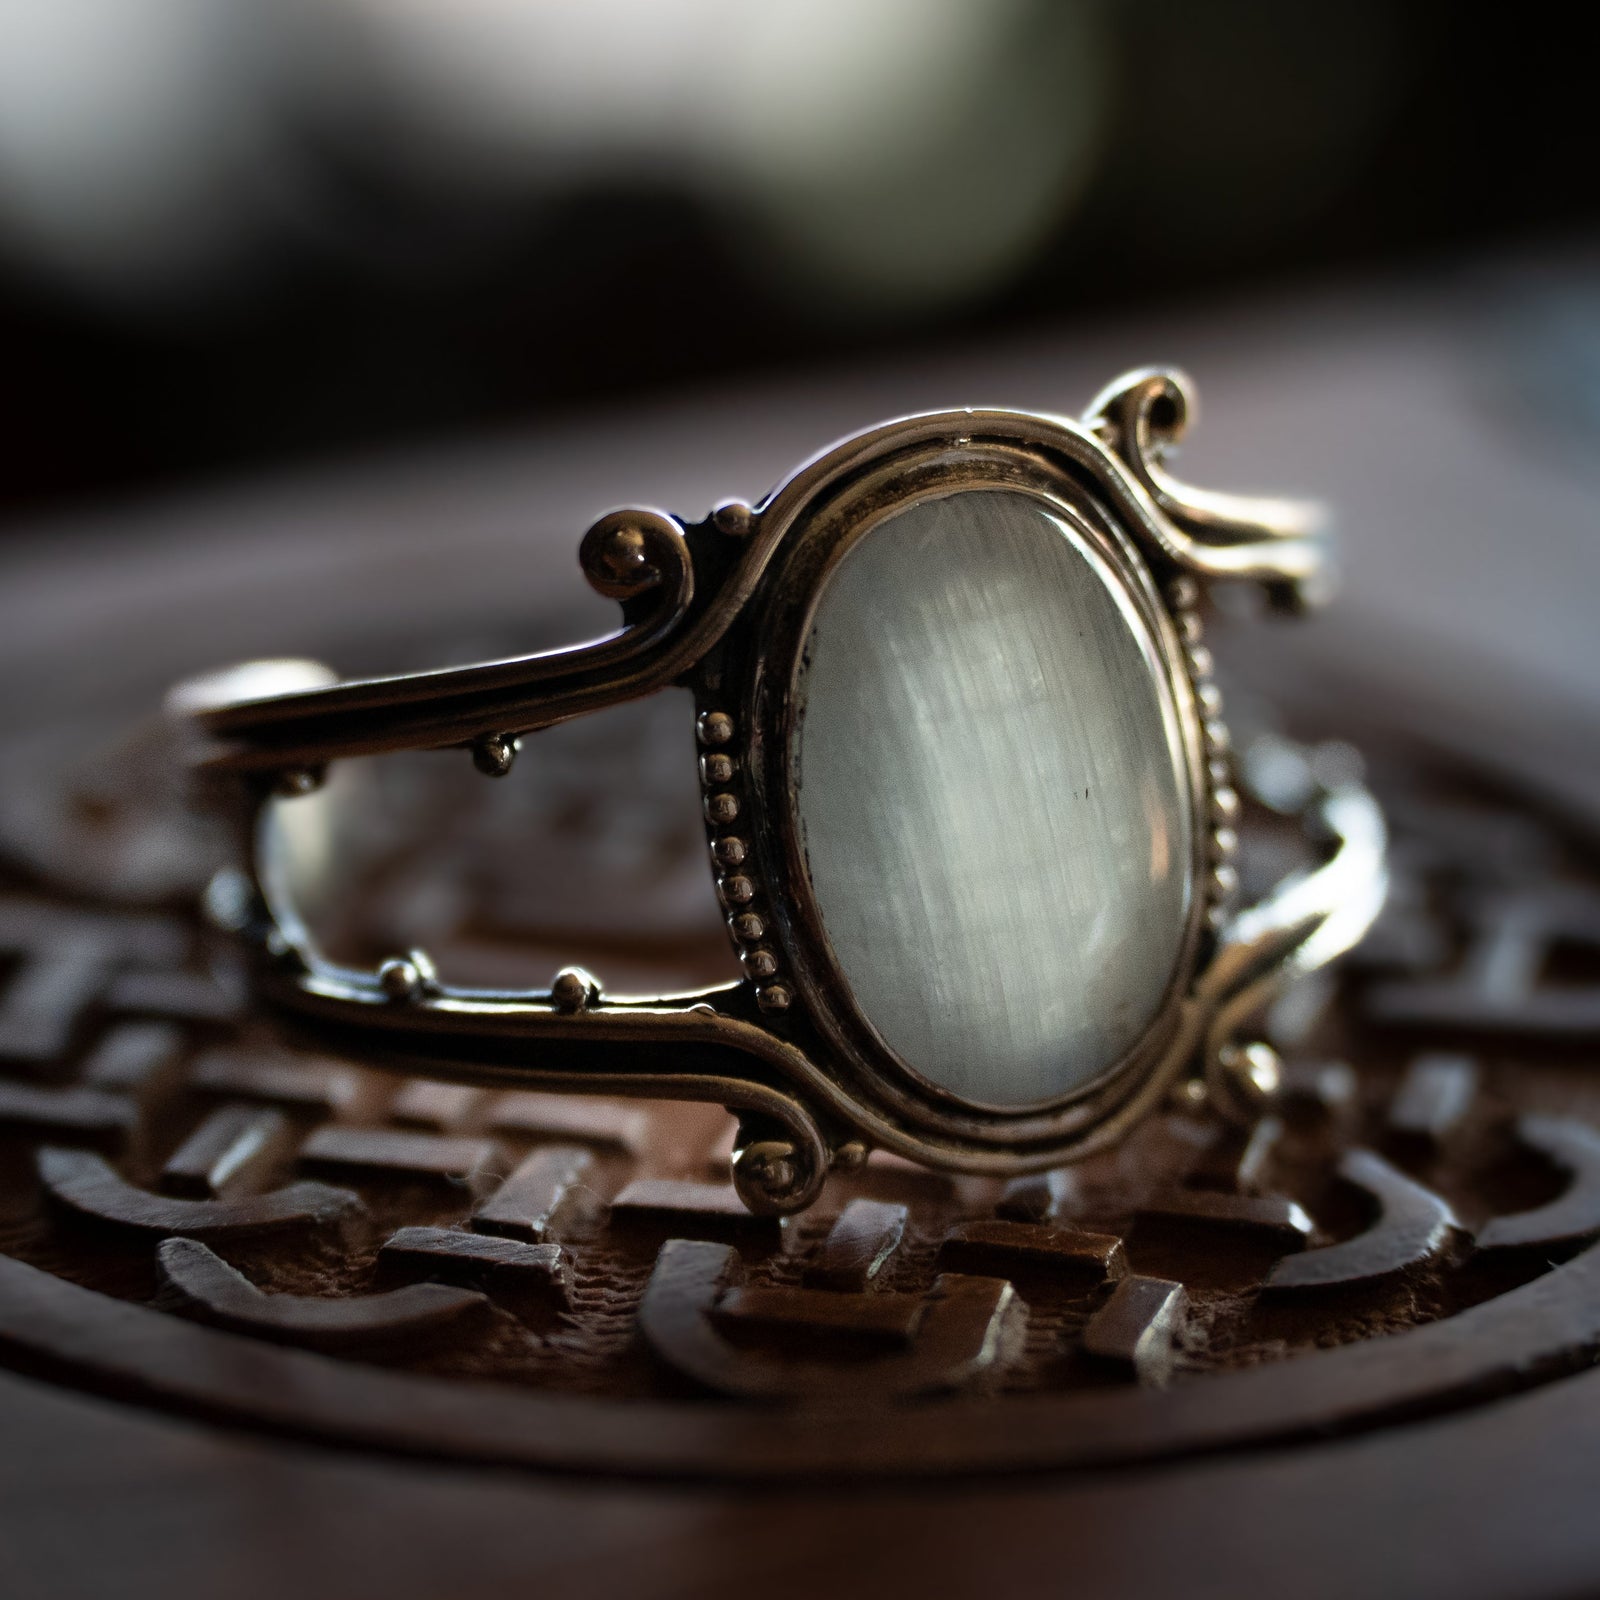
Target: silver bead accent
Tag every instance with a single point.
(732, 517)
(729, 851)
(407, 977)
(574, 989)
(714, 727)
(493, 756)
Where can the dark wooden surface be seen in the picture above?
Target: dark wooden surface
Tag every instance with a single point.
(100, 1500)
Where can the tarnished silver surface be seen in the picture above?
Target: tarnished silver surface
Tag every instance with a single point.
(992, 798)
(723, 607)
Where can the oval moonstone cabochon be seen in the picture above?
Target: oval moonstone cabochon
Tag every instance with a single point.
(993, 807)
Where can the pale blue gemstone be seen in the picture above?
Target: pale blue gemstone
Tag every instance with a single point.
(991, 797)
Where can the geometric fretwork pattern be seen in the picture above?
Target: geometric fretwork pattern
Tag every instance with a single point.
(1434, 1158)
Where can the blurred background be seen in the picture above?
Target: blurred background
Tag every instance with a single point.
(236, 234)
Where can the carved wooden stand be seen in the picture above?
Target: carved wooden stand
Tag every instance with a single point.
(1345, 1351)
